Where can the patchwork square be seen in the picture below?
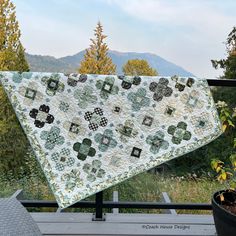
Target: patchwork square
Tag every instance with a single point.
(90, 132)
(136, 152)
(74, 128)
(147, 120)
(170, 111)
(127, 131)
(30, 93)
(116, 109)
(105, 140)
(107, 87)
(192, 101)
(53, 84)
(42, 116)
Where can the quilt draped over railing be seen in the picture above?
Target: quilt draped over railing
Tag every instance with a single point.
(90, 132)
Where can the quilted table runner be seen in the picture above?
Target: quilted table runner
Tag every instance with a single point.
(90, 132)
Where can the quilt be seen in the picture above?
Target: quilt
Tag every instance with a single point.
(90, 132)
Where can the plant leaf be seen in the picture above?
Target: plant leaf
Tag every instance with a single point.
(222, 197)
(224, 127)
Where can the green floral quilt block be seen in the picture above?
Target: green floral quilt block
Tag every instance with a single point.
(30, 94)
(139, 99)
(201, 124)
(105, 140)
(64, 106)
(179, 132)
(126, 131)
(160, 89)
(72, 180)
(85, 96)
(53, 84)
(94, 170)
(157, 142)
(107, 87)
(192, 100)
(90, 132)
(52, 138)
(62, 159)
(74, 79)
(74, 127)
(18, 77)
(147, 121)
(84, 149)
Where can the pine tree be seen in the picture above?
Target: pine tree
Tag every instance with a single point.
(11, 51)
(13, 143)
(228, 64)
(96, 60)
(138, 67)
(22, 64)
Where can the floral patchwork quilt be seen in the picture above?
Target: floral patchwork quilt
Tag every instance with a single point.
(90, 132)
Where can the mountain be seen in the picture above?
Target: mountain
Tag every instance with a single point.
(70, 63)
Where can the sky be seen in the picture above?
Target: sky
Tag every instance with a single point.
(188, 33)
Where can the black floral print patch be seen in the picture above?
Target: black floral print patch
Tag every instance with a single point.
(95, 119)
(74, 79)
(181, 83)
(41, 116)
(160, 89)
(127, 81)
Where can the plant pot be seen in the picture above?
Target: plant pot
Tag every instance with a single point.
(225, 221)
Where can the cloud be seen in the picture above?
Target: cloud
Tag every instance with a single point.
(188, 33)
(47, 35)
(192, 32)
(183, 12)
(202, 16)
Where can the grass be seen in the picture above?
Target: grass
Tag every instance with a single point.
(190, 190)
(143, 187)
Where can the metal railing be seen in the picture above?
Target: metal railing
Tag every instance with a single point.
(99, 204)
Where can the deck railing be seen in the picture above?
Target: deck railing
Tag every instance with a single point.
(99, 204)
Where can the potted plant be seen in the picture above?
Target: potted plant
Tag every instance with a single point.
(224, 201)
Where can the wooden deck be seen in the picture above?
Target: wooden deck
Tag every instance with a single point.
(124, 224)
(168, 223)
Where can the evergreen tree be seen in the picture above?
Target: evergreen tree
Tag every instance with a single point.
(22, 64)
(11, 51)
(13, 143)
(138, 67)
(96, 60)
(228, 64)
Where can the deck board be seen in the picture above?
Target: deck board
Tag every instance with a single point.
(62, 224)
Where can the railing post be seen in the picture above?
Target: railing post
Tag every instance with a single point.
(98, 216)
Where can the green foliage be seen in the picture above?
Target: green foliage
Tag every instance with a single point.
(143, 187)
(138, 67)
(228, 64)
(226, 173)
(22, 64)
(96, 60)
(11, 50)
(13, 143)
(225, 115)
